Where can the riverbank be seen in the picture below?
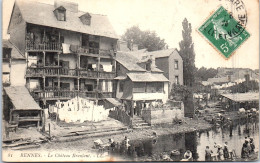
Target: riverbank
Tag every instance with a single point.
(188, 125)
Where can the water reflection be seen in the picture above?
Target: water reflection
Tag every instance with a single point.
(155, 149)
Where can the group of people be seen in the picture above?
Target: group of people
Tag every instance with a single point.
(248, 147)
(222, 153)
(116, 147)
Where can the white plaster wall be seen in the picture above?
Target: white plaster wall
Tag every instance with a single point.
(148, 96)
(67, 80)
(33, 83)
(71, 58)
(17, 74)
(166, 92)
(118, 94)
(71, 38)
(5, 67)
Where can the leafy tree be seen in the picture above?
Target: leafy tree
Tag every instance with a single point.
(187, 53)
(188, 56)
(184, 94)
(144, 39)
(244, 87)
(203, 73)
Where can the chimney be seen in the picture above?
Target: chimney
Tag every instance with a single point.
(153, 61)
(69, 6)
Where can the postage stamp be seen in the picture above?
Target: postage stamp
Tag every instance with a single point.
(224, 32)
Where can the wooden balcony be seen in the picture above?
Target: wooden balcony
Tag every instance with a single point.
(107, 75)
(35, 71)
(54, 94)
(105, 95)
(95, 52)
(68, 72)
(45, 46)
(57, 71)
(88, 74)
(91, 94)
(51, 71)
(109, 53)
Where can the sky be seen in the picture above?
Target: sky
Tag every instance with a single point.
(165, 18)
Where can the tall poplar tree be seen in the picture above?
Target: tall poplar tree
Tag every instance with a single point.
(187, 53)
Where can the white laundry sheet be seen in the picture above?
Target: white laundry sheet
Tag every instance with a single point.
(80, 110)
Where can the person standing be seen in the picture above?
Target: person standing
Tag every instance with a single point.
(244, 151)
(220, 153)
(225, 151)
(208, 153)
(252, 145)
(230, 127)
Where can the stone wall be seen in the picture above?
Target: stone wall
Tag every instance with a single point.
(162, 115)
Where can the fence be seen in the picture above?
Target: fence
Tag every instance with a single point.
(121, 116)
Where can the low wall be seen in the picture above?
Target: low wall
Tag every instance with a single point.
(162, 115)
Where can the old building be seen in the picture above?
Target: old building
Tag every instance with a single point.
(18, 105)
(68, 52)
(13, 65)
(139, 81)
(169, 61)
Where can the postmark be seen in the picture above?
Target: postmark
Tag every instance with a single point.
(224, 32)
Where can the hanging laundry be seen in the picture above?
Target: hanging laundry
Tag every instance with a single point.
(66, 48)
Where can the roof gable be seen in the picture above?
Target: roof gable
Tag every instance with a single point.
(147, 77)
(60, 8)
(86, 15)
(16, 18)
(15, 53)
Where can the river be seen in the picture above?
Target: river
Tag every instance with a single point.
(153, 149)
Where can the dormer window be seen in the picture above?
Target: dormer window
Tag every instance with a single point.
(86, 19)
(60, 13)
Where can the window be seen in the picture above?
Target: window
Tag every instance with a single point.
(139, 87)
(121, 86)
(60, 13)
(154, 87)
(176, 65)
(176, 79)
(62, 16)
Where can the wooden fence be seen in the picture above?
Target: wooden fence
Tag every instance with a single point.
(121, 116)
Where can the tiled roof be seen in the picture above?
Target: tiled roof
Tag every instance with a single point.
(42, 14)
(242, 97)
(218, 80)
(21, 98)
(147, 77)
(15, 53)
(156, 54)
(130, 62)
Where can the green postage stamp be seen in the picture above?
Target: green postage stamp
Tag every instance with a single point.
(224, 32)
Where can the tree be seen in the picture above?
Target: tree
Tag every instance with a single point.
(187, 53)
(184, 94)
(188, 56)
(244, 87)
(203, 73)
(144, 39)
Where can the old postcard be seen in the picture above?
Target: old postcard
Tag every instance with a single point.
(131, 80)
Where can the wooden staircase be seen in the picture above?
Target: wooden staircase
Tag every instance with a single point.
(139, 123)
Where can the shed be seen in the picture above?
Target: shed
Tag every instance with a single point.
(23, 108)
(240, 100)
